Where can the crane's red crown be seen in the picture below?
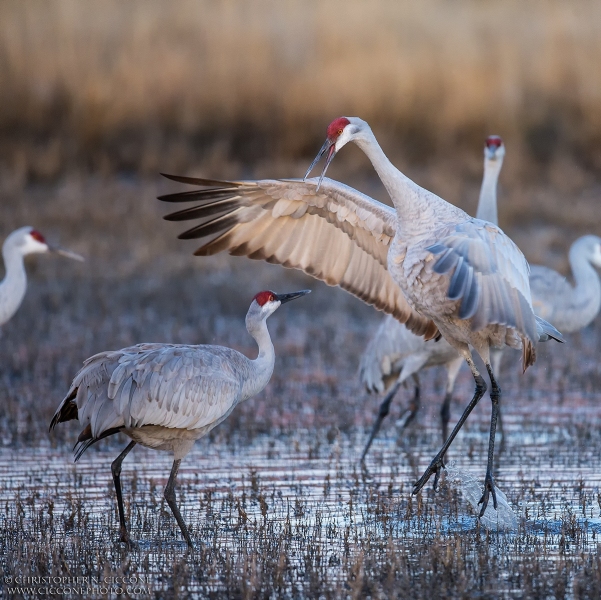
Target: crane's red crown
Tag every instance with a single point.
(37, 236)
(265, 297)
(336, 127)
(493, 141)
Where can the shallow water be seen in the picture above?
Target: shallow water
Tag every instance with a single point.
(305, 501)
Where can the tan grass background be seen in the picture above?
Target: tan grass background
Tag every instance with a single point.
(148, 84)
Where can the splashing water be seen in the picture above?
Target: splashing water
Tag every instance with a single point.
(501, 519)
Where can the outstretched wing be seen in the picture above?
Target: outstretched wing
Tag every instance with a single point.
(183, 387)
(489, 274)
(337, 235)
(391, 343)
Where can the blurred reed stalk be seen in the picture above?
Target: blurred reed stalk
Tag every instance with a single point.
(143, 84)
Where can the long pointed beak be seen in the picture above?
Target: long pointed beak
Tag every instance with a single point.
(283, 298)
(330, 147)
(67, 253)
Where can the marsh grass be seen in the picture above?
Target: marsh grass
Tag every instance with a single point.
(295, 515)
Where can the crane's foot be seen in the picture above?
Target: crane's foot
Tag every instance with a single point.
(489, 488)
(436, 466)
(189, 542)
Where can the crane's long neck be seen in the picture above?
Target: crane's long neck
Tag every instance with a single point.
(487, 204)
(417, 208)
(587, 293)
(14, 284)
(261, 368)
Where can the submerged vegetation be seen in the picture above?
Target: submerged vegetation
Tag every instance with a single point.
(294, 515)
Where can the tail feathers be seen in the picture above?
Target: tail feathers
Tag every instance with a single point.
(81, 447)
(85, 440)
(547, 332)
(528, 354)
(66, 411)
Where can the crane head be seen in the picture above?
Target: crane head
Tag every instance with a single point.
(33, 242)
(340, 131)
(494, 149)
(29, 241)
(265, 303)
(590, 247)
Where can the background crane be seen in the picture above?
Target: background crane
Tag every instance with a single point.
(570, 307)
(17, 245)
(166, 396)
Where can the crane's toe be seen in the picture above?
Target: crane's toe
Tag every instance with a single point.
(436, 466)
(129, 543)
(489, 489)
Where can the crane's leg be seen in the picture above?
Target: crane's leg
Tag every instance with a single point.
(116, 470)
(382, 414)
(411, 368)
(169, 495)
(409, 415)
(445, 410)
(438, 463)
(496, 356)
(489, 482)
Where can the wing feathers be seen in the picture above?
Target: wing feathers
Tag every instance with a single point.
(489, 275)
(337, 235)
(153, 384)
(215, 225)
(212, 208)
(198, 181)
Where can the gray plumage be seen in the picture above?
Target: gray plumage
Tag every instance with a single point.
(166, 396)
(463, 273)
(394, 353)
(172, 387)
(570, 307)
(16, 247)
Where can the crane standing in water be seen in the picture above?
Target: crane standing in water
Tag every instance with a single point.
(17, 245)
(167, 396)
(426, 261)
(394, 353)
(570, 308)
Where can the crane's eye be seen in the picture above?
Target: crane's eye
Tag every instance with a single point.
(340, 131)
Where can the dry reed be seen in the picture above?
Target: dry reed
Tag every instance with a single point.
(149, 84)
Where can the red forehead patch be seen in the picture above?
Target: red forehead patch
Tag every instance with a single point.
(493, 141)
(335, 127)
(264, 297)
(37, 236)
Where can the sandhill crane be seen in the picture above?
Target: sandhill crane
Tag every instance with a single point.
(167, 396)
(394, 353)
(426, 261)
(570, 308)
(20, 243)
